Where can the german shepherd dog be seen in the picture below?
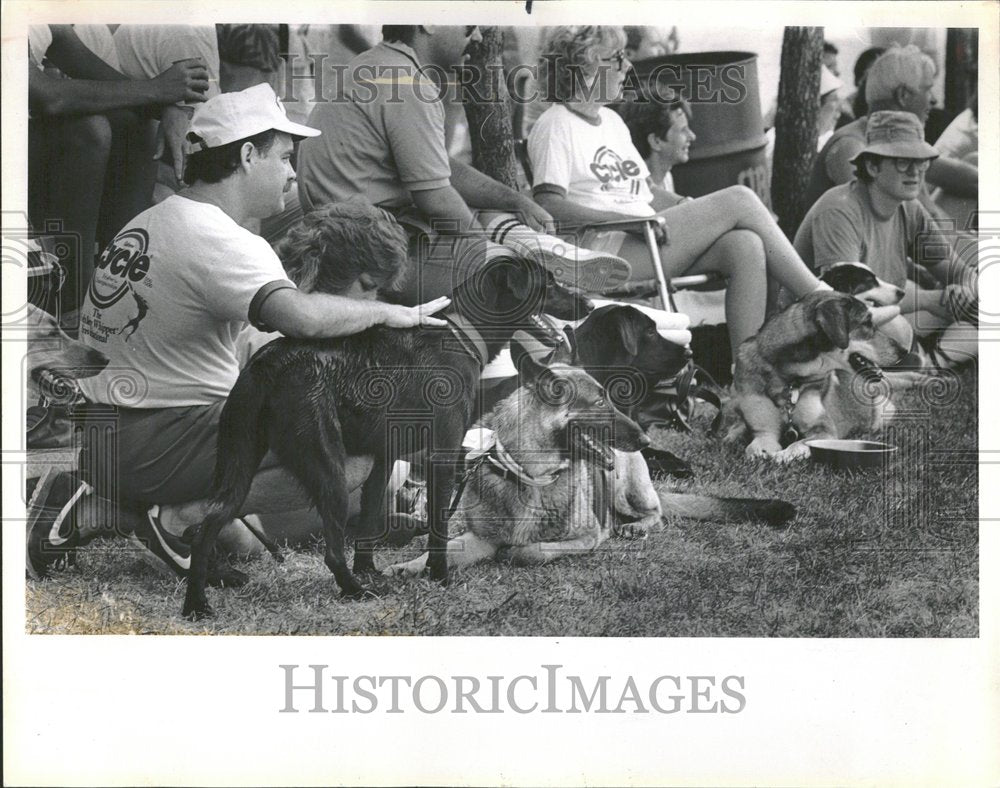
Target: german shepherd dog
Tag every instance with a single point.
(316, 402)
(535, 494)
(530, 497)
(807, 369)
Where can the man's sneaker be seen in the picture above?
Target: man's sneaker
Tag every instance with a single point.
(52, 531)
(175, 551)
(591, 272)
(150, 535)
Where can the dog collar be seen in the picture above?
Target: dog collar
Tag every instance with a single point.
(502, 461)
(468, 337)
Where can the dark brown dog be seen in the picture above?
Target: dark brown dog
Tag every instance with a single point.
(385, 394)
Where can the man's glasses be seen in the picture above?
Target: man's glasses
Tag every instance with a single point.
(903, 165)
(617, 58)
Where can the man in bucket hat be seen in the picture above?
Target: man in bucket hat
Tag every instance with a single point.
(168, 298)
(900, 80)
(878, 220)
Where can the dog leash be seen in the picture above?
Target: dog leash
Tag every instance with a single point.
(500, 461)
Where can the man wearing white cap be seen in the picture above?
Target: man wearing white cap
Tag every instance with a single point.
(878, 220)
(168, 298)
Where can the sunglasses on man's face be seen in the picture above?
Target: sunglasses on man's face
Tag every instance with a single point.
(903, 165)
(618, 58)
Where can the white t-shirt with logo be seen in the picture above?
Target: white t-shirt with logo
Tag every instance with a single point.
(169, 296)
(593, 164)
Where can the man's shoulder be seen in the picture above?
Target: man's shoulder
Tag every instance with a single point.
(838, 204)
(390, 65)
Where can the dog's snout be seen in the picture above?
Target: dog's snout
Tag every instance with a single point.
(688, 352)
(643, 440)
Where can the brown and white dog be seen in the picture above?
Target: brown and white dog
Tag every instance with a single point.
(813, 367)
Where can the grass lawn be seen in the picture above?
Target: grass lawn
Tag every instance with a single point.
(870, 554)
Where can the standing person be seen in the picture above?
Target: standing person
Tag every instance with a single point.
(587, 170)
(878, 220)
(88, 153)
(384, 144)
(168, 299)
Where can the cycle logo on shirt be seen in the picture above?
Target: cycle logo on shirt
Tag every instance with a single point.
(608, 167)
(123, 264)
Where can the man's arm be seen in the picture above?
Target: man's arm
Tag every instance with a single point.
(445, 205)
(571, 214)
(51, 96)
(74, 58)
(318, 315)
(838, 159)
(482, 191)
(954, 176)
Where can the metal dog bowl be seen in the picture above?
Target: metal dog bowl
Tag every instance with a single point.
(850, 453)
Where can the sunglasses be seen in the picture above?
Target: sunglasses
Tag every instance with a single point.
(903, 165)
(617, 58)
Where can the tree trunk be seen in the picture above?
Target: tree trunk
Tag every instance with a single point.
(795, 123)
(960, 71)
(487, 108)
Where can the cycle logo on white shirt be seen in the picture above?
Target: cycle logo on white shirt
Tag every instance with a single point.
(611, 169)
(123, 264)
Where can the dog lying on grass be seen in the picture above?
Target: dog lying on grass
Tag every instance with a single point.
(807, 369)
(314, 403)
(564, 473)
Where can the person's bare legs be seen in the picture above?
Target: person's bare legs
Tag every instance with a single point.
(695, 225)
(739, 256)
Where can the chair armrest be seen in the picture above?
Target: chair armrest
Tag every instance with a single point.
(635, 225)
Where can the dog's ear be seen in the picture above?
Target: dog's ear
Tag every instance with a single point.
(628, 330)
(529, 368)
(521, 279)
(833, 319)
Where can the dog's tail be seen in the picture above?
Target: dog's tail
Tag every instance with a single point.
(242, 443)
(713, 509)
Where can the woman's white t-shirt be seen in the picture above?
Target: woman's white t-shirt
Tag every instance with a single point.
(593, 164)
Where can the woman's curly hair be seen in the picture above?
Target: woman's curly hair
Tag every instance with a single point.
(569, 52)
(329, 249)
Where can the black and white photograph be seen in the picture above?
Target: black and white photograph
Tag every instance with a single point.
(530, 358)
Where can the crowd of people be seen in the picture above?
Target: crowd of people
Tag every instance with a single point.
(175, 157)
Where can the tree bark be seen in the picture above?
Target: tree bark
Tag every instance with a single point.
(487, 109)
(960, 71)
(795, 123)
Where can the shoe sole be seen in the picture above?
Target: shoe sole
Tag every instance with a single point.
(595, 275)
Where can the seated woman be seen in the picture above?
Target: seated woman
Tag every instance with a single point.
(587, 170)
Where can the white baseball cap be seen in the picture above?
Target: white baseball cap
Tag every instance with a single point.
(228, 117)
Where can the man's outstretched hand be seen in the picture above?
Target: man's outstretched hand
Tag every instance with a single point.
(396, 316)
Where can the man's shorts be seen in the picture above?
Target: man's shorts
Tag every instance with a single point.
(155, 455)
(438, 263)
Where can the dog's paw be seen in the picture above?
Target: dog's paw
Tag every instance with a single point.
(412, 568)
(358, 593)
(794, 453)
(196, 608)
(635, 530)
(763, 447)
